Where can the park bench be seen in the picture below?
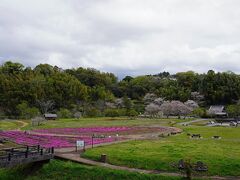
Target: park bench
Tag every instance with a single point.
(173, 133)
(216, 137)
(211, 122)
(181, 164)
(233, 123)
(200, 167)
(196, 136)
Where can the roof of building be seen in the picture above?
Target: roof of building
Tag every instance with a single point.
(48, 115)
(217, 109)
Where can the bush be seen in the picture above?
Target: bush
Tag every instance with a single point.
(199, 112)
(132, 113)
(111, 113)
(122, 112)
(93, 112)
(27, 112)
(77, 115)
(64, 113)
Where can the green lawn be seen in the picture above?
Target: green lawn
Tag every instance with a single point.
(221, 156)
(103, 121)
(62, 170)
(9, 124)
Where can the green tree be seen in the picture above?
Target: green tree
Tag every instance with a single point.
(27, 112)
(64, 113)
(233, 110)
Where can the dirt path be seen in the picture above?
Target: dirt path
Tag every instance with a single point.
(75, 157)
(196, 120)
(23, 124)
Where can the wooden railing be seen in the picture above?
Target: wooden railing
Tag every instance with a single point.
(25, 154)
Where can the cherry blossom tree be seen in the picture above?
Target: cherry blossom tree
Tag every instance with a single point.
(152, 109)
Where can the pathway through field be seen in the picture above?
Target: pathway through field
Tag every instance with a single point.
(75, 157)
(193, 121)
(23, 124)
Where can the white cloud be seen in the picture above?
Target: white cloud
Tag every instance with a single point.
(123, 36)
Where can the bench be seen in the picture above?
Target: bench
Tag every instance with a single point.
(196, 136)
(216, 137)
(200, 167)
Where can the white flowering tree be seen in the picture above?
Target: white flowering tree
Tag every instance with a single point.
(175, 108)
(149, 98)
(191, 104)
(158, 101)
(152, 110)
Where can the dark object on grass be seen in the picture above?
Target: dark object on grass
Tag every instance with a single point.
(181, 164)
(200, 166)
(196, 136)
(103, 158)
(216, 137)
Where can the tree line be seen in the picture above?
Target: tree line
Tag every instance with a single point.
(26, 91)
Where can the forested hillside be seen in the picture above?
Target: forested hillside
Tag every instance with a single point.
(31, 91)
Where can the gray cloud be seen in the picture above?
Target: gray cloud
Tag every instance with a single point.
(123, 36)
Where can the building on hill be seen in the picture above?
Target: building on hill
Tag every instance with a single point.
(49, 116)
(217, 111)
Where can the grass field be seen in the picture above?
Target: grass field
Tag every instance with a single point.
(9, 124)
(103, 121)
(89, 122)
(62, 170)
(221, 156)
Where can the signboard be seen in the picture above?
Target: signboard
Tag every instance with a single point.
(80, 143)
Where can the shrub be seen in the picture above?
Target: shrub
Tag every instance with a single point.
(77, 115)
(111, 113)
(64, 113)
(93, 112)
(27, 112)
(199, 112)
(132, 113)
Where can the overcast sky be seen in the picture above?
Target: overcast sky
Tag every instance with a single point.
(123, 36)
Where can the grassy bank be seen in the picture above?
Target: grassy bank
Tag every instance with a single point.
(62, 170)
(221, 156)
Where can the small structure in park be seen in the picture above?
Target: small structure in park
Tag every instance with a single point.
(217, 111)
(49, 116)
(37, 121)
(217, 137)
(196, 136)
(199, 166)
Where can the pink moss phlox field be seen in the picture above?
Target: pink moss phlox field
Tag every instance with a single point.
(50, 138)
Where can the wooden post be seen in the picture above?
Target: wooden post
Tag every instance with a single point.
(26, 153)
(41, 152)
(92, 140)
(103, 158)
(38, 148)
(9, 156)
(52, 150)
